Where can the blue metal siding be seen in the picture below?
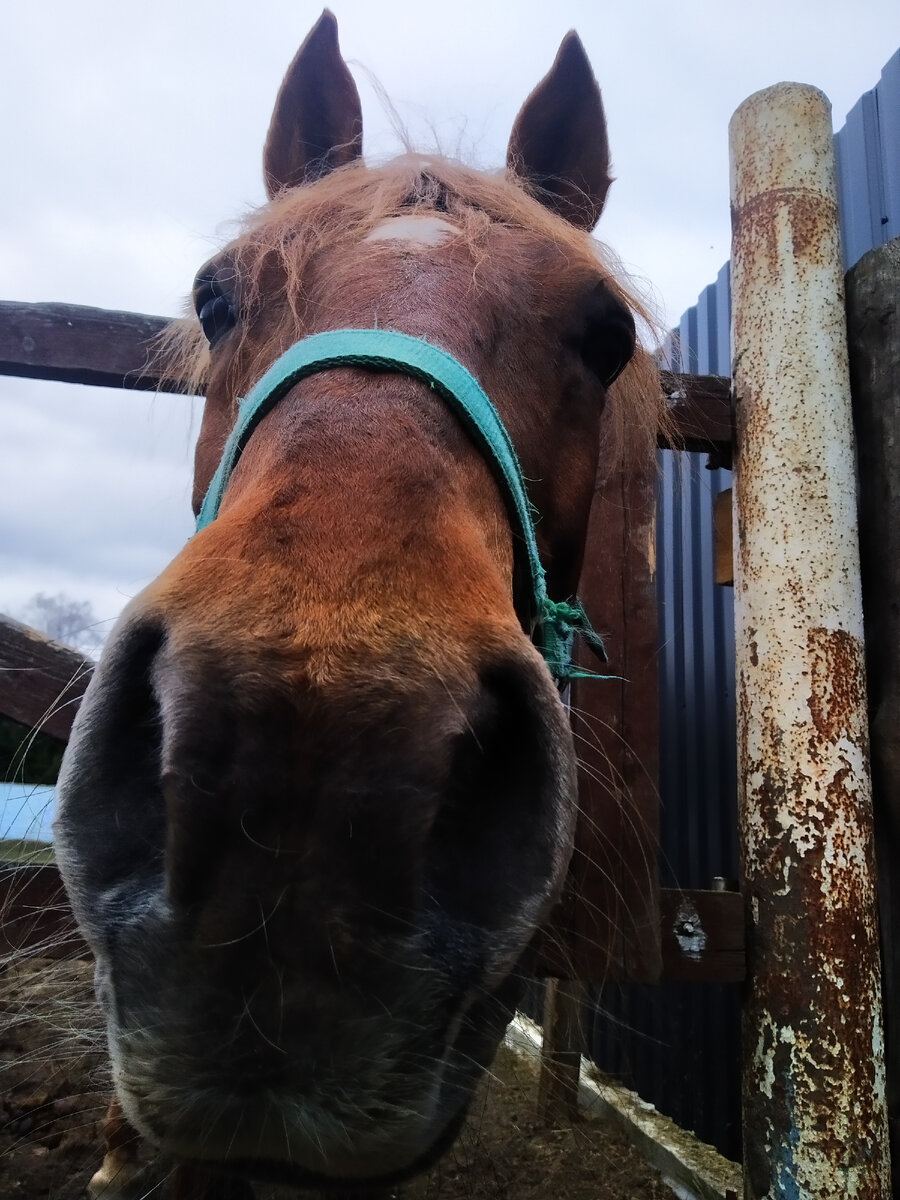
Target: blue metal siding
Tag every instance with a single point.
(679, 1044)
(868, 167)
(861, 189)
(889, 119)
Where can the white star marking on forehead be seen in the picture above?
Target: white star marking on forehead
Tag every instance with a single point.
(427, 229)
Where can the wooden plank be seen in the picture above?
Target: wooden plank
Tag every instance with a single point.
(608, 923)
(723, 545)
(873, 330)
(701, 940)
(636, 748)
(77, 344)
(41, 682)
(702, 936)
(562, 1047)
(701, 414)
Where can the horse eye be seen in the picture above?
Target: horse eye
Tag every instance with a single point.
(216, 315)
(608, 345)
(214, 299)
(610, 354)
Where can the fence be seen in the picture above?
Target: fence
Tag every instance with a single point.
(679, 1045)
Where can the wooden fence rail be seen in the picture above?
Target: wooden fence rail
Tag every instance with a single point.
(77, 344)
(41, 682)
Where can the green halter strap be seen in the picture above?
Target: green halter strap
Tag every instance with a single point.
(554, 625)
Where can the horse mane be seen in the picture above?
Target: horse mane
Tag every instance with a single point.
(347, 204)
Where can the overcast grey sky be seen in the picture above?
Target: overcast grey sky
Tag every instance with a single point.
(133, 133)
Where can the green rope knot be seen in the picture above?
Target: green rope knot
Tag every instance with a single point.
(560, 622)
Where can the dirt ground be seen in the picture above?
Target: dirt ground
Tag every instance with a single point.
(54, 1092)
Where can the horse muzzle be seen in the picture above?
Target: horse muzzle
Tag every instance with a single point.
(311, 906)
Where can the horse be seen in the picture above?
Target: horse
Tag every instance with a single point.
(319, 799)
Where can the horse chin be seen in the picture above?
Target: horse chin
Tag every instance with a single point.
(292, 1175)
(284, 1141)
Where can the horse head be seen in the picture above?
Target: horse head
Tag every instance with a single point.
(320, 795)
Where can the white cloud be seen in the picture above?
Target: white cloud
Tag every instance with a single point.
(96, 490)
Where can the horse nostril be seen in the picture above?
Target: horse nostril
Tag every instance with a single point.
(110, 823)
(480, 870)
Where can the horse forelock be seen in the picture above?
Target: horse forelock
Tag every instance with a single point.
(349, 205)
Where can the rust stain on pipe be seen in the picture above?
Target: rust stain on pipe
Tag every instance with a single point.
(814, 1113)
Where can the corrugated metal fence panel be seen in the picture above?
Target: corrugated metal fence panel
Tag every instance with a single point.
(679, 1045)
(868, 167)
(889, 112)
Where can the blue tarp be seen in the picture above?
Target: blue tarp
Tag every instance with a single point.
(26, 811)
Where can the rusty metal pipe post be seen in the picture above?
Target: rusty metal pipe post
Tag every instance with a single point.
(814, 1108)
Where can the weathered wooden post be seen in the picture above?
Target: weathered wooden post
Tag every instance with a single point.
(814, 1109)
(873, 329)
(563, 1047)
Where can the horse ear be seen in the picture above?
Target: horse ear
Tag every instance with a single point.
(317, 122)
(558, 142)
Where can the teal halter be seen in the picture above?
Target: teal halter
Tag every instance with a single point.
(554, 625)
